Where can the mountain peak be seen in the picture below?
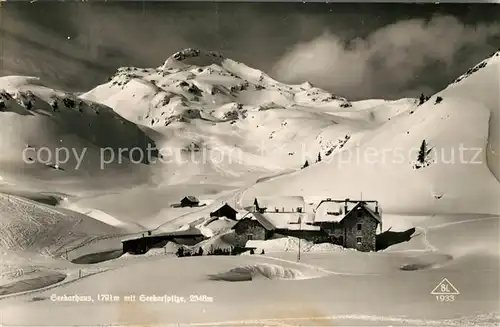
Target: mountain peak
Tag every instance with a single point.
(193, 56)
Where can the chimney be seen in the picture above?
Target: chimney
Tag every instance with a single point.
(376, 207)
(345, 205)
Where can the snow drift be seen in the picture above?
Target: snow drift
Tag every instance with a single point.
(266, 271)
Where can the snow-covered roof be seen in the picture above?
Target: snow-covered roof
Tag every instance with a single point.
(191, 198)
(283, 220)
(220, 223)
(225, 205)
(131, 238)
(332, 211)
(281, 203)
(263, 220)
(191, 231)
(336, 210)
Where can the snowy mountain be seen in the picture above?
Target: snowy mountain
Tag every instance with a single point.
(225, 125)
(228, 133)
(202, 101)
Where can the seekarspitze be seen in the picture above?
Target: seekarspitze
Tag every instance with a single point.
(70, 298)
(162, 298)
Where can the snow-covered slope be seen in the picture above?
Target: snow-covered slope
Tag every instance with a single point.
(381, 164)
(481, 84)
(34, 227)
(53, 135)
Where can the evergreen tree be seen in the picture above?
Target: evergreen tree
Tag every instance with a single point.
(319, 157)
(306, 164)
(423, 152)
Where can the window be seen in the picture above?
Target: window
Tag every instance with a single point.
(249, 237)
(358, 240)
(333, 213)
(359, 227)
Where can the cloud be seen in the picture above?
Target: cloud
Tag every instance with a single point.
(388, 61)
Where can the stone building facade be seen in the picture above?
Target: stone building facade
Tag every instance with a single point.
(248, 229)
(353, 226)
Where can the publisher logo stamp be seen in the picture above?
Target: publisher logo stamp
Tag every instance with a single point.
(445, 291)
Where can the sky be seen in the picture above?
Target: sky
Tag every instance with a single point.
(357, 50)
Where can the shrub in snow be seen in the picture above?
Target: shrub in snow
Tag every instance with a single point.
(423, 98)
(231, 115)
(219, 251)
(344, 141)
(180, 252)
(438, 100)
(192, 147)
(329, 151)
